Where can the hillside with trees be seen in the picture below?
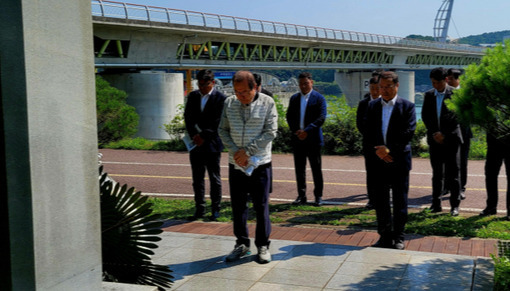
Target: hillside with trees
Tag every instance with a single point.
(485, 38)
(476, 40)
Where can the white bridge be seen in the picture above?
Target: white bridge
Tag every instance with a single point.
(131, 37)
(137, 36)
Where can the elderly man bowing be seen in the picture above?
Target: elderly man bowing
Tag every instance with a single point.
(247, 128)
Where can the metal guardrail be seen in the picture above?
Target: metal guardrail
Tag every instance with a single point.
(121, 10)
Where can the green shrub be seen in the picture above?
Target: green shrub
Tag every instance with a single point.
(138, 143)
(478, 148)
(341, 137)
(419, 143)
(501, 273)
(176, 128)
(115, 119)
(281, 143)
(483, 98)
(141, 143)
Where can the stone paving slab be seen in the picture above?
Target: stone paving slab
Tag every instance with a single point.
(197, 261)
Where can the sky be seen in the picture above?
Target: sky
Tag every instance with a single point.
(391, 17)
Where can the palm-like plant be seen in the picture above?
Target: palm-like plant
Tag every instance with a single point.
(128, 235)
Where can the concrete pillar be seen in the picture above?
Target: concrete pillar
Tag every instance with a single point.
(155, 96)
(354, 85)
(52, 222)
(406, 85)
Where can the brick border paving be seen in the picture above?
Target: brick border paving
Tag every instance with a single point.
(448, 245)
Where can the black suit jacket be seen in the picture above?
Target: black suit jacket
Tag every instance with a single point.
(207, 120)
(400, 130)
(361, 112)
(315, 115)
(447, 124)
(264, 91)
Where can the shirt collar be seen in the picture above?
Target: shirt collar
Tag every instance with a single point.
(210, 92)
(389, 103)
(437, 92)
(307, 94)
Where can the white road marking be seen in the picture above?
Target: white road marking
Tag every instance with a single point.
(276, 168)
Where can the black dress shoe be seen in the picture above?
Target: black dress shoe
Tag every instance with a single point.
(399, 245)
(383, 243)
(489, 211)
(318, 201)
(455, 211)
(215, 215)
(369, 206)
(462, 195)
(435, 209)
(300, 200)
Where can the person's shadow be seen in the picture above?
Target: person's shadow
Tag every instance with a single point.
(283, 252)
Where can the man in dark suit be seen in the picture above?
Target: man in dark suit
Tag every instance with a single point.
(360, 124)
(258, 81)
(202, 116)
(444, 138)
(305, 115)
(453, 80)
(497, 154)
(390, 126)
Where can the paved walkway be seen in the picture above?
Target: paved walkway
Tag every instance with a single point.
(323, 259)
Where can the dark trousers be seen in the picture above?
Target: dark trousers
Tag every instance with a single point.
(200, 161)
(445, 162)
(370, 175)
(497, 153)
(464, 155)
(301, 153)
(395, 177)
(257, 187)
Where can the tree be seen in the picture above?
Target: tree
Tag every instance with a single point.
(115, 118)
(484, 96)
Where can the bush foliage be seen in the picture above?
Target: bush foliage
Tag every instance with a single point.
(116, 119)
(483, 98)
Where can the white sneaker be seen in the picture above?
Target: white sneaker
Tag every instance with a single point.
(238, 252)
(264, 255)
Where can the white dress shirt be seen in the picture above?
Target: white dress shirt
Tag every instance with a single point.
(204, 99)
(439, 103)
(387, 109)
(304, 102)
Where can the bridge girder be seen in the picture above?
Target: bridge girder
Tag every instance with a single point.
(184, 47)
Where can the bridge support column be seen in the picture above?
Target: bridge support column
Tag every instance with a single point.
(155, 96)
(354, 84)
(406, 86)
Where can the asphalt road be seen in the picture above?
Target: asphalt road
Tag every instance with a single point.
(169, 174)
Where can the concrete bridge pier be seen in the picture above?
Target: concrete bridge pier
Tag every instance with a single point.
(155, 96)
(354, 84)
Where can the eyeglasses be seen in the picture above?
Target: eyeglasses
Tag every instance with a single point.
(386, 87)
(206, 84)
(243, 93)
